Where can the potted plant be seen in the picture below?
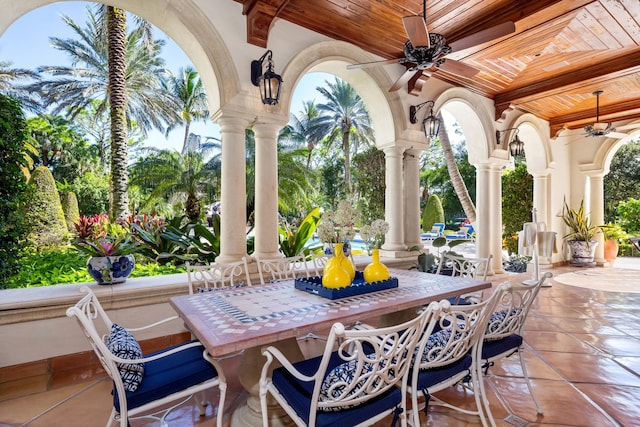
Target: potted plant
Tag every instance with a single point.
(580, 238)
(613, 235)
(109, 247)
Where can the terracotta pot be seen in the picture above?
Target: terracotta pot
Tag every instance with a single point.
(610, 250)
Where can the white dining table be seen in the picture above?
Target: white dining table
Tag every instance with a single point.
(228, 321)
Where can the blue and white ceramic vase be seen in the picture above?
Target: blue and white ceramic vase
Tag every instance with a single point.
(110, 270)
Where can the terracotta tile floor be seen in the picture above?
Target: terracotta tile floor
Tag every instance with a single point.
(583, 354)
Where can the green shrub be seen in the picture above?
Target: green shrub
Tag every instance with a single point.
(432, 213)
(66, 265)
(14, 191)
(70, 208)
(46, 218)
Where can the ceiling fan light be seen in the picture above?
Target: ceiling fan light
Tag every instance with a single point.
(601, 126)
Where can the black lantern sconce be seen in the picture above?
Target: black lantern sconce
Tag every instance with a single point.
(430, 123)
(516, 146)
(269, 83)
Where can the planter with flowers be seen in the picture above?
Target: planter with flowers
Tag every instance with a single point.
(109, 247)
(373, 237)
(335, 228)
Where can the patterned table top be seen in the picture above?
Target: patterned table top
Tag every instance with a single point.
(230, 320)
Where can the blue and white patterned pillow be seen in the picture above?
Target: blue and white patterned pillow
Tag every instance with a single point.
(124, 345)
(436, 342)
(341, 373)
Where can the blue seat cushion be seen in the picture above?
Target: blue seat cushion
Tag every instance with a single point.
(491, 348)
(298, 394)
(430, 377)
(169, 375)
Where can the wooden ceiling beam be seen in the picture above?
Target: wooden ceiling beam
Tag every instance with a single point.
(260, 15)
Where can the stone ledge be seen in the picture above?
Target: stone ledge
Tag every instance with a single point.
(48, 302)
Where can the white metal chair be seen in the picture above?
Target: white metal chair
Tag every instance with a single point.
(355, 385)
(445, 357)
(271, 270)
(153, 382)
(319, 260)
(203, 278)
(503, 335)
(460, 266)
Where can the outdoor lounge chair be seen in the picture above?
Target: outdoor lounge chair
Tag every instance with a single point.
(437, 230)
(465, 233)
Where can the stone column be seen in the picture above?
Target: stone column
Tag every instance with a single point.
(484, 210)
(266, 190)
(394, 201)
(412, 198)
(494, 233)
(596, 213)
(233, 217)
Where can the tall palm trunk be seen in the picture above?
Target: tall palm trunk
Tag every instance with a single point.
(185, 148)
(117, 37)
(347, 160)
(454, 173)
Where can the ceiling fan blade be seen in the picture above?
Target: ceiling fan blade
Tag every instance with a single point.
(416, 29)
(459, 68)
(631, 126)
(483, 36)
(403, 80)
(374, 63)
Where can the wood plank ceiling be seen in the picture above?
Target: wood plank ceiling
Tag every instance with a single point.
(561, 52)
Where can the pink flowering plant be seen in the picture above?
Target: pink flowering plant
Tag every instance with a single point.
(99, 237)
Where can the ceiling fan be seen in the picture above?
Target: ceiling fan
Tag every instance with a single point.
(604, 129)
(424, 51)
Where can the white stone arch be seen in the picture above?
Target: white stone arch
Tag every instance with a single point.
(385, 109)
(606, 151)
(473, 115)
(536, 146)
(187, 25)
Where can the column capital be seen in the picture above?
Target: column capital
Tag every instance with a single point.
(394, 151)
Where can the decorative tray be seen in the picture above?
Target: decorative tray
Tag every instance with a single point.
(313, 285)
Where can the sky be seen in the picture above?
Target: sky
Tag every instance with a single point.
(26, 45)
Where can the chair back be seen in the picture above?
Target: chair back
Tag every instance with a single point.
(95, 325)
(511, 310)
(372, 361)
(271, 270)
(215, 275)
(319, 260)
(474, 268)
(459, 328)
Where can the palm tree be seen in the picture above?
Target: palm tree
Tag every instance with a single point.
(298, 131)
(180, 179)
(124, 73)
(345, 118)
(8, 78)
(454, 173)
(188, 89)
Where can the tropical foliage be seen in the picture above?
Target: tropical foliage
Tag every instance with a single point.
(344, 119)
(579, 223)
(14, 192)
(294, 239)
